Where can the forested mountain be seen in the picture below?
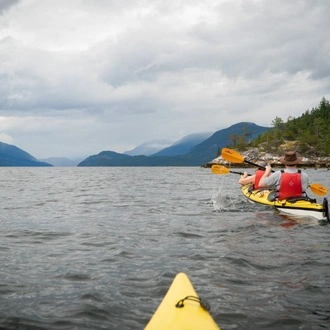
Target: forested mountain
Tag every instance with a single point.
(184, 145)
(197, 156)
(212, 146)
(12, 156)
(188, 153)
(309, 134)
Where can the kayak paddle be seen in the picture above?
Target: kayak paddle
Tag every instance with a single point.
(318, 189)
(219, 169)
(235, 157)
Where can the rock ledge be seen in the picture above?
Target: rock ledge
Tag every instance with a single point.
(254, 155)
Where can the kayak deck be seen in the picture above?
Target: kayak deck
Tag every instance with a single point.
(294, 206)
(181, 309)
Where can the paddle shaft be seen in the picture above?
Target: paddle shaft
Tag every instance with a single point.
(241, 173)
(246, 161)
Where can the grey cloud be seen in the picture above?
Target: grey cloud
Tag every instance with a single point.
(6, 4)
(269, 36)
(258, 39)
(252, 59)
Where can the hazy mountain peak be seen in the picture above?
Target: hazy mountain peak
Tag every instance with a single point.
(149, 148)
(61, 161)
(184, 145)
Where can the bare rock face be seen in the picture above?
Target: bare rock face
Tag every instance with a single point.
(254, 155)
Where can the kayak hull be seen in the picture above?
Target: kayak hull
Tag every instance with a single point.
(189, 315)
(297, 207)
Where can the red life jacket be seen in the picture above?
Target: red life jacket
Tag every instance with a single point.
(290, 185)
(259, 174)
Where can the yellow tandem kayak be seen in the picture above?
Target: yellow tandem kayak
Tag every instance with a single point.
(303, 206)
(182, 309)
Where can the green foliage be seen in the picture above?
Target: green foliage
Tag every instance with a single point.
(310, 133)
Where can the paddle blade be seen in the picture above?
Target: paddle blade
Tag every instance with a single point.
(318, 189)
(219, 169)
(231, 155)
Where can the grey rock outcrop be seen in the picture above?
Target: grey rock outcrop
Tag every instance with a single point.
(254, 155)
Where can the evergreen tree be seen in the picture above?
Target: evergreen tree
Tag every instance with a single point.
(311, 131)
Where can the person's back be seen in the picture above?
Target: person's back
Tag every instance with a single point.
(255, 178)
(258, 176)
(289, 182)
(290, 185)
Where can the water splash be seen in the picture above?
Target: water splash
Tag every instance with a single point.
(222, 202)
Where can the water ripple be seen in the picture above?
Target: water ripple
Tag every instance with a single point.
(97, 248)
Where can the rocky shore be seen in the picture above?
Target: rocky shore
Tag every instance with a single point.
(254, 155)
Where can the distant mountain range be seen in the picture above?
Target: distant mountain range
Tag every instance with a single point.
(184, 145)
(197, 154)
(149, 148)
(61, 161)
(167, 147)
(12, 156)
(192, 150)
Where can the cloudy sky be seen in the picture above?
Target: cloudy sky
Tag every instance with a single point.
(82, 76)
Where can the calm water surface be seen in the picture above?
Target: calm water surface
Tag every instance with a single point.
(97, 248)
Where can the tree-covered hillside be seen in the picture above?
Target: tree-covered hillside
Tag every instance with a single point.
(198, 155)
(309, 134)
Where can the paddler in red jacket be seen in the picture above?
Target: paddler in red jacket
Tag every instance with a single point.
(255, 178)
(289, 182)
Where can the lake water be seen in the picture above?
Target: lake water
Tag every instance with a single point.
(97, 248)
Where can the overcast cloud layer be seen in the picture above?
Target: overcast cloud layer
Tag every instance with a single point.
(82, 76)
